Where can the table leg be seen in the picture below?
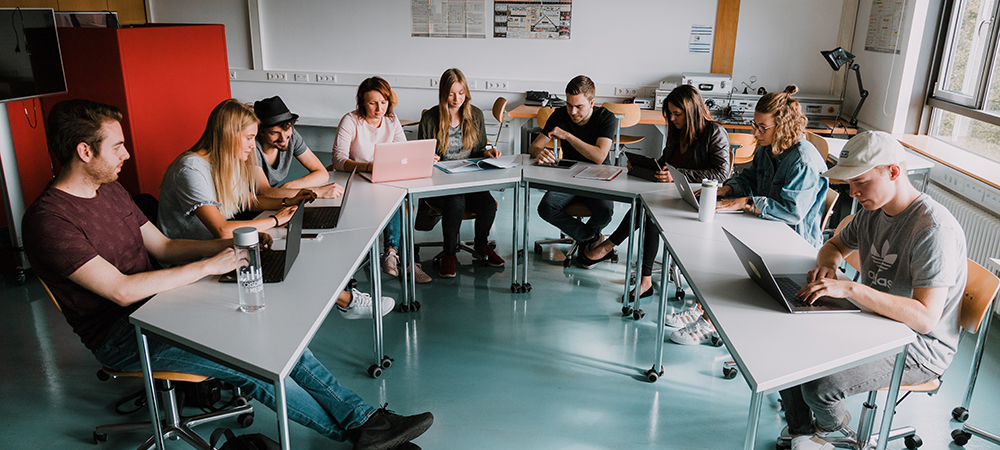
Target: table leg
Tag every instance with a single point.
(408, 272)
(755, 401)
(626, 307)
(376, 369)
(147, 377)
(641, 217)
(890, 400)
(281, 405)
(655, 372)
(525, 221)
(516, 249)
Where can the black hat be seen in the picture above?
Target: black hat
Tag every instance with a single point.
(272, 111)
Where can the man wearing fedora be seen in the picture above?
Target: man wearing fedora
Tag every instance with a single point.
(277, 144)
(913, 270)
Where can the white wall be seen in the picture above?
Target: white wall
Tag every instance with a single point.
(622, 43)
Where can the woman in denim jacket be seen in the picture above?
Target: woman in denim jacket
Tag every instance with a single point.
(783, 182)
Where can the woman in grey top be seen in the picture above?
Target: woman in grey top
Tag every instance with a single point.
(460, 131)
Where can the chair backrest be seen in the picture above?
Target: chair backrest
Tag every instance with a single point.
(831, 200)
(820, 143)
(742, 147)
(543, 116)
(631, 112)
(980, 290)
(499, 113)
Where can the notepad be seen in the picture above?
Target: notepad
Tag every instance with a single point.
(599, 173)
(472, 165)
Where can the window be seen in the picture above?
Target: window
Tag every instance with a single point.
(966, 94)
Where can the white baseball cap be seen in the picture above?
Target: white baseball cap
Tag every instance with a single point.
(864, 152)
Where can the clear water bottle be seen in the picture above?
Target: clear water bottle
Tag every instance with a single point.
(249, 276)
(706, 207)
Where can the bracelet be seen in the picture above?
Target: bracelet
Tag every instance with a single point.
(276, 223)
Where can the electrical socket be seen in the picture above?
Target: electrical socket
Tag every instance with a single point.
(277, 76)
(496, 85)
(232, 74)
(326, 78)
(435, 82)
(974, 192)
(953, 182)
(626, 91)
(991, 199)
(473, 84)
(301, 77)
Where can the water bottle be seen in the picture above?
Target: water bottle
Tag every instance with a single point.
(249, 276)
(706, 206)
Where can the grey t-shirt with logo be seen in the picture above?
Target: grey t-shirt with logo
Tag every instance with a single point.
(923, 246)
(277, 173)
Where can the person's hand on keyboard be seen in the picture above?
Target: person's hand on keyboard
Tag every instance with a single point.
(825, 287)
(222, 262)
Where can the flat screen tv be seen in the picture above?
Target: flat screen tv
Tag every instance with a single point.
(30, 61)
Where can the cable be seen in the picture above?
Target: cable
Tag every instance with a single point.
(34, 109)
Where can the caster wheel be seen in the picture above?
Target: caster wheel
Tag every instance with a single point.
(100, 437)
(567, 262)
(520, 253)
(960, 414)
(514, 287)
(103, 376)
(729, 372)
(912, 442)
(679, 295)
(960, 437)
(387, 362)
(538, 249)
(403, 307)
(415, 306)
(245, 420)
(241, 401)
(375, 371)
(527, 287)
(21, 278)
(717, 340)
(614, 258)
(652, 374)
(627, 311)
(638, 314)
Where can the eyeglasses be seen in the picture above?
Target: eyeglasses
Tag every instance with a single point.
(760, 128)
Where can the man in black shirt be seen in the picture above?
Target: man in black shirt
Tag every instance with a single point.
(585, 133)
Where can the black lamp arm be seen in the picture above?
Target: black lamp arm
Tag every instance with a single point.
(861, 91)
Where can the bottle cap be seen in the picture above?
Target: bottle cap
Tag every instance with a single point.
(708, 183)
(245, 236)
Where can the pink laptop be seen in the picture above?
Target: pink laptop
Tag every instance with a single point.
(402, 161)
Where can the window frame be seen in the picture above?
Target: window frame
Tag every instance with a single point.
(965, 105)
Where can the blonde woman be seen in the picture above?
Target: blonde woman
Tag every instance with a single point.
(460, 131)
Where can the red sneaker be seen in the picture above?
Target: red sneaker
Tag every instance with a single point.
(447, 269)
(491, 257)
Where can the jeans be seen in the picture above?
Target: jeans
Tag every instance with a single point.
(393, 232)
(315, 398)
(824, 397)
(650, 242)
(453, 208)
(551, 210)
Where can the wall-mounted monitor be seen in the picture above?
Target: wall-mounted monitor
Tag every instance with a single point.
(30, 61)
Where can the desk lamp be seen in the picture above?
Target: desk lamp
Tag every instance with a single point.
(837, 58)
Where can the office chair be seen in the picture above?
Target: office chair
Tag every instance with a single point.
(742, 147)
(463, 246)
(578, 210)
(628, 115)
(980, 289)
(174, 425)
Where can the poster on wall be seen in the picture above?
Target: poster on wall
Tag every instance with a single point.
(532, 19)
(883, 26)
(448, 18)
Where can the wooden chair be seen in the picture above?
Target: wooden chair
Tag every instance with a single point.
(831, 202)
(499, 113)
(174, 425)
(628, 115)
(741, 147)
(542, 118)
(820, 143)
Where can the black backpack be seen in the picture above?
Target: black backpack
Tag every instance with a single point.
(254, 441)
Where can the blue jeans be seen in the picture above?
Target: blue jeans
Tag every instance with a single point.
(551, 210)
(314, 398)
(393, 232)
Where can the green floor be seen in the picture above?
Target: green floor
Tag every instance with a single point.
(557, 368)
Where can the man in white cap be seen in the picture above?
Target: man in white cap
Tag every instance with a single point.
(913, 270)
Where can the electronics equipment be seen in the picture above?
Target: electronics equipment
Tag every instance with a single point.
(406, 160)
(708, 82)
(322, 216)
(30, 60)
(276, 264)
(643, 166)
(542, 98)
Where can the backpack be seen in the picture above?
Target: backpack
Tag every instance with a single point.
(255, 441)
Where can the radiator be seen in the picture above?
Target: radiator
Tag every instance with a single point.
(982, 229)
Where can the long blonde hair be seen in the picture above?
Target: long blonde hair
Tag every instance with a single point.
(470, 132)
(232, 178)
(789, 122)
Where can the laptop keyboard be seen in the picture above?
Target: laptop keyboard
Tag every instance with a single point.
(273, 264)
(789, 288)
(320, 217)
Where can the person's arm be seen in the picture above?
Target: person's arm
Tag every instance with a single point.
(398, 135)
(796, 197)
(104, 279)
(179, 251)
(347, 132)
(595, 153)
(921, 313)
(317, 176)
(538, 151)
(221, 228)
(479, 151)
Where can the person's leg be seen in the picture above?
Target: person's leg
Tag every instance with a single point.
(452, 209)
(797, 412)
(650, 247)
(392, 234)
(485, 209)
(550, 209)
(601, 212)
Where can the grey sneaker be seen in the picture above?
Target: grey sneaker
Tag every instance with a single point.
(390, 263)
(361, 306)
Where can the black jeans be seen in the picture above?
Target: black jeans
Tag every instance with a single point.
(650, 242)
(453, 208)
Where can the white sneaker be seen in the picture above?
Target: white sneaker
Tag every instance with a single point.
(682, 318)
(811, 442)
(695, 333)
(361, 306)
(390, 263)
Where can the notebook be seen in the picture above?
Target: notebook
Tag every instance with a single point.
(687, 193)
(324, 217)
(275, 264)
(783, 287)
(643, 166)
(394, 161)
(598, 173)
(477, 164)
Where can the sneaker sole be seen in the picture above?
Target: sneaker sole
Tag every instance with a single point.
(446, 275)
(408, 436)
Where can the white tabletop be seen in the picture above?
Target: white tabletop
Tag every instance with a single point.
(622, 188)
(443, 183)
(369, 204)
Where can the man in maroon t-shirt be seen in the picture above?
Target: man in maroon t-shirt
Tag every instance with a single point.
(91, 245)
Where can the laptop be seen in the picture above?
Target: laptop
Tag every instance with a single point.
(687, 193)
(324, 217)
(275, 264)
(407, 160)
(783, 288)
(643, 166)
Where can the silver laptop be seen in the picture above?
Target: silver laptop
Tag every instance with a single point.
(783, 288)
(687, 193)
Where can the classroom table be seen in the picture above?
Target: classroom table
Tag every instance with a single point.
(752, 325)
(268, 343)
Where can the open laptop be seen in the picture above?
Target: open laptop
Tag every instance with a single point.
(277, 263)
(783, 288)
(643, 166)
(687, 193)
(324, 217)
(396, 161)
